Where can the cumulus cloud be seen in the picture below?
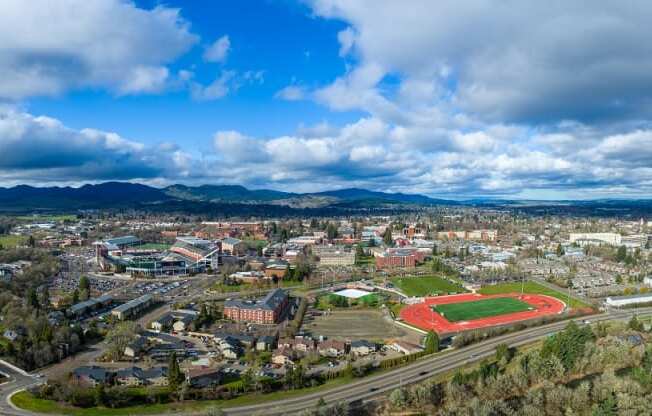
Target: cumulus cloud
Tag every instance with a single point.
(218, 50)
(509, 61)
(39, 148)
(47, 48)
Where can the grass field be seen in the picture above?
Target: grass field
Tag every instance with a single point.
(427, 285)
(534, 288)
(468, 311)
(27, 401)
(11, 241)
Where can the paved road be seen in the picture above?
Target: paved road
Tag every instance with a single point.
(18, 381)
(368, 387)
(373, 386)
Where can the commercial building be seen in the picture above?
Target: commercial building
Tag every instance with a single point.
(584, 239)
(334, 255)
(268, 310)
(620, 301)
(477, 235)
(133, 307)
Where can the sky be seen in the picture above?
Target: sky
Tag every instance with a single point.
(503, 98)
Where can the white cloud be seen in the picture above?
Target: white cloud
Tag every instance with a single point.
(218, 51)
(291, 93)
(346, 38)
(217, 89)
(42, 149)
(47, 48)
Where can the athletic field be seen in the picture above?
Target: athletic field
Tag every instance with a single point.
(463, 312)
(468, 311)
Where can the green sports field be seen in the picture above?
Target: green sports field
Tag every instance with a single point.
(468, 311)
(426, 285)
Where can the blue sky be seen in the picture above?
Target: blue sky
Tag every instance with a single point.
(484, 98)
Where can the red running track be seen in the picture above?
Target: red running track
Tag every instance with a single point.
(422, 316)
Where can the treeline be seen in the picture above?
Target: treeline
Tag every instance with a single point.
(38, 342)
(581, 370)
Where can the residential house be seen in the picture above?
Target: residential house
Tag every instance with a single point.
(331, 348)
(92, 375)
(204, 377)
(362, 347)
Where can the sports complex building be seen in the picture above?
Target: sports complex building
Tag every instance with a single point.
(188, 255)
(449, 315)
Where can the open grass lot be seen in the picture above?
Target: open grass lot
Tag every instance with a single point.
(468, 311)
(27, 401)
(427, 285)
(11, 241)
(534, 288)
(46, 218)
(353, 324)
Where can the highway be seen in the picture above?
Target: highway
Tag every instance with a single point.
(375, 385)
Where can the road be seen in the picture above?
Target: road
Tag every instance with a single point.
(370, 387)
(17, 381)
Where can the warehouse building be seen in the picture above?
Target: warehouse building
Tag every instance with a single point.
(622, 301)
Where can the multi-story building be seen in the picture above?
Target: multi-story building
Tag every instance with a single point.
(334, 255)
(268, 310)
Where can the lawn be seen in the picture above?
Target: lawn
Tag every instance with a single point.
(468, 311)
(11, 241)
(427, 285)
(534, 288)
(27, 401)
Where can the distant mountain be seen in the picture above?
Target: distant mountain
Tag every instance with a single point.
(236, 200)
(127, 195)
(224, 193)
(355, 194)
(110, 194)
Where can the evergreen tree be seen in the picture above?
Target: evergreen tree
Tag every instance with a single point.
(175, 376)
(387, 236)
(432, 342)
(621, 254)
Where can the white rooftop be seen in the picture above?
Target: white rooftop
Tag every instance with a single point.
(352, 293)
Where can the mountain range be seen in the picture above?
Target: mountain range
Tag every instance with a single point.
(124, 194)
(235, 200)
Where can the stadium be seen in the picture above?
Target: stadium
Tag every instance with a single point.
(458, 313)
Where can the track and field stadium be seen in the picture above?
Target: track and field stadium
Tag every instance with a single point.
(457, 313)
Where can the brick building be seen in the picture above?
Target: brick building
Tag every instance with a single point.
(268, 310)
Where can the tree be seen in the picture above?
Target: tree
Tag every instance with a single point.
(432, 342)
(31, 242)
(504, 353)
(75, 296)
(331, 231)
(84, 284)
(635, 325)
(621, 254)
(560, 250)
(119, 337)
(434, 249)
(387, 236)
(32, 299)
(175, 376)
(398, 398)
